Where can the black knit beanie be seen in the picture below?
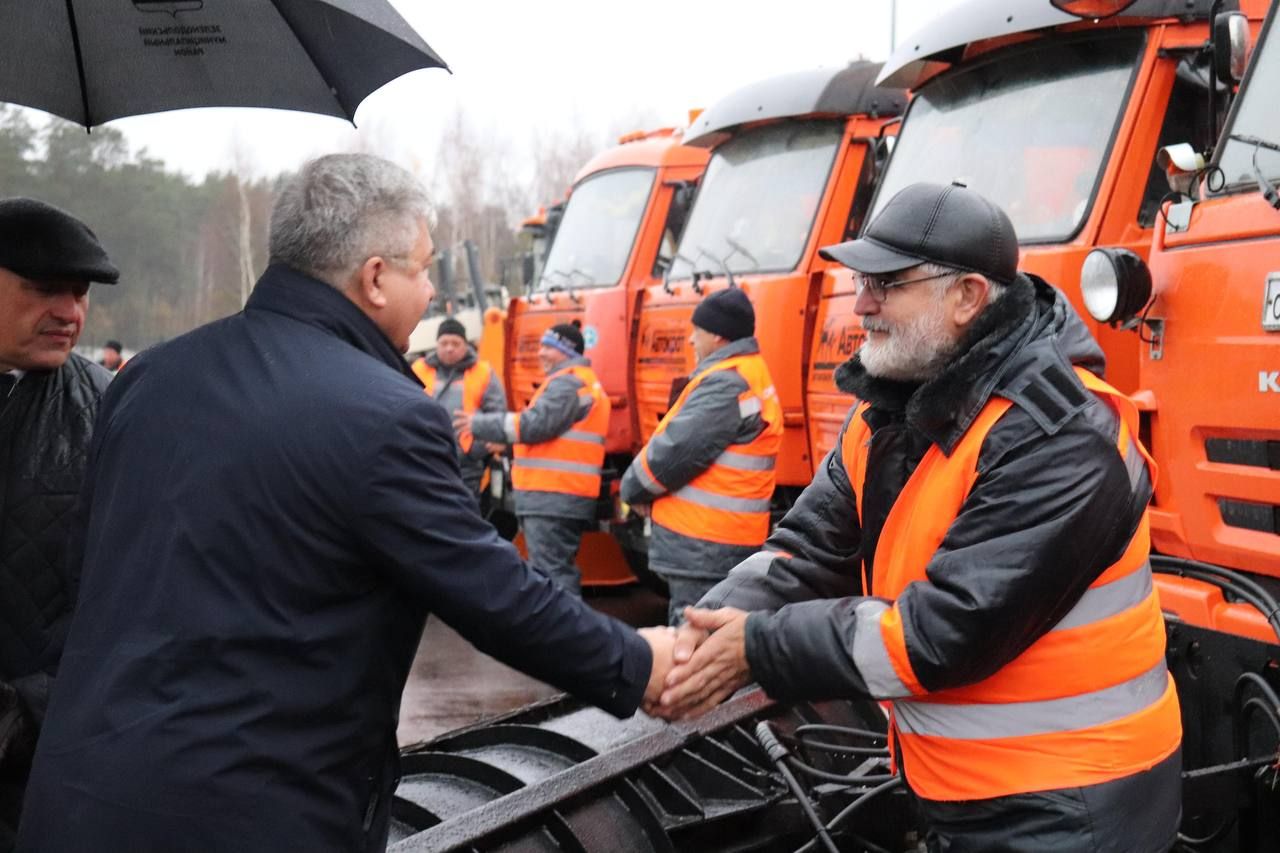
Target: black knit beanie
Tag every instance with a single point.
(570, 334)
(727, 313)
(451, 326)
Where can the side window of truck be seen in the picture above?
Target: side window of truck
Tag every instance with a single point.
(1185, 120)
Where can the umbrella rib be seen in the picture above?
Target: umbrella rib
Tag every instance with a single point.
(75, 43)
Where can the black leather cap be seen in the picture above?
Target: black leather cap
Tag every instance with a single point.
(931, 223)
(40, 242)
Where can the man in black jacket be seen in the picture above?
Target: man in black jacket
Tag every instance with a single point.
(273, 508)
(972, 554)
(48, 400)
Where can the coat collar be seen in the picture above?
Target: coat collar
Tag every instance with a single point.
(284, 290)
(742, 346)
(462, 366)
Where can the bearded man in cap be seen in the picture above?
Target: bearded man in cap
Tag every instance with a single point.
(706, 476)
(463, 384)
(990, 492)
(558, 444)
(48, 401)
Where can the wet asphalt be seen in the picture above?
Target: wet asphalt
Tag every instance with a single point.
(452, 685)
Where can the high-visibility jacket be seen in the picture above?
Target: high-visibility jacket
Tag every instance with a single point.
(474, 382)
(729, 501)
(1090, 701)
(570, 463)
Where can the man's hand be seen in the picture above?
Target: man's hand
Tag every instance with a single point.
(497, 448)
(713, 665)
(661, 640)
(641, 510)
(461, 421)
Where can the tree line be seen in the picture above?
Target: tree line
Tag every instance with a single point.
(189, 250)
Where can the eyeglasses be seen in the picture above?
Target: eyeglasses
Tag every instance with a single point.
(879, 286)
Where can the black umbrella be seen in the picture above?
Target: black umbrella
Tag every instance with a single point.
(92, 61)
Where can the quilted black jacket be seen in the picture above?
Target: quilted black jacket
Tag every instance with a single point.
(45, 426)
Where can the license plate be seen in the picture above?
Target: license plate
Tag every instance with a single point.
(1271, 304)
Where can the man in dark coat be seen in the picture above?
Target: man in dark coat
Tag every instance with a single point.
(48, 400)
(272, 509)
(973, 553)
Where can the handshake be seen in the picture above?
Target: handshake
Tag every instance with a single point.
(698, 665)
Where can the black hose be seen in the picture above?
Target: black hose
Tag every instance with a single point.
(838, 778)
(1237, 583)
(824, 728)
(852, 809)
(778, 755)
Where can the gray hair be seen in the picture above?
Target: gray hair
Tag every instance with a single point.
(995, 291)
(342, 209)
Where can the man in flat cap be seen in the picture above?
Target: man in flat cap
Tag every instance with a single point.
(558, 442)
(48, 401)
(973, 553)
(461, 382)
(706, 476)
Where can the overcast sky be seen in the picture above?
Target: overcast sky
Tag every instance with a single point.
(523, 66)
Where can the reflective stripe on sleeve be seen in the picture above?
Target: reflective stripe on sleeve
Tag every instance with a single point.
(1102, 602)
(650, 485)
(1134, 464)
(870, 655)
(511, 427)
(714, 501)
(746, 462)
(757, 564)
(581, 435)
(559, 465)
(748, 407)
(993, 721)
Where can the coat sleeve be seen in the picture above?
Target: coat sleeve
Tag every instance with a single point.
(1046, 516)
(421, 526)
(494, 401)
(708, 422)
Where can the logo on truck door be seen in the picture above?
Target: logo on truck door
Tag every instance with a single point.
(1271, 303)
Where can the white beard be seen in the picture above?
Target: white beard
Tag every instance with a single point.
(914, 351)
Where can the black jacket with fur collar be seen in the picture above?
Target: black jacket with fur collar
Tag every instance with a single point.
(1052, 508)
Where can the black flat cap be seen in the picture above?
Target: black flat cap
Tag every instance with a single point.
(40, 242)
(948, 225)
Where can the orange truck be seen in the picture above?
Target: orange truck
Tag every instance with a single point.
(793, 165)
(1204, 314)
(616, 235)
(1054, 113)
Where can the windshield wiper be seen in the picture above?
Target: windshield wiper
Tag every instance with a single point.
(728, 273)
(693, 270)
(1269, 191)
(740, 249)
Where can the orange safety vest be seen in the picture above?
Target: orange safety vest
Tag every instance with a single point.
(570, 463)
(1088, 702)
(474, 382)
(728, 502)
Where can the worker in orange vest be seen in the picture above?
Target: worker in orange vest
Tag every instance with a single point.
(461, 382)
(558, 443)
(706, 476)
(990, 492)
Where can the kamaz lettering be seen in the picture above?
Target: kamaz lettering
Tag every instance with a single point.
(668, 343)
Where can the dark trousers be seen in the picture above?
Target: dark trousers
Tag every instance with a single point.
(553, 546)
(685, 592)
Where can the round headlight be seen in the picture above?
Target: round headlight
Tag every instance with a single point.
(1115, 284)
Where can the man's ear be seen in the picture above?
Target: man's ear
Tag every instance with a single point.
(972, 295)
(367, 283)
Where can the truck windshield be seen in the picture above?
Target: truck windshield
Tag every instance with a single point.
(758, 200)
(599, 227)
(1029, 130)
(1255, 116)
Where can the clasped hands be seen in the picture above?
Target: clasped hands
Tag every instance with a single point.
(698, 665)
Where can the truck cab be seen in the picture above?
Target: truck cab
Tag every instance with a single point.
(792, 165)
(1056, 118)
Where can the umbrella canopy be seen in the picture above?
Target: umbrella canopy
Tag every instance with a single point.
(91, 61)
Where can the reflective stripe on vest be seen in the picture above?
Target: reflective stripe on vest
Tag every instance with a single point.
(570, 463)
(474, 383)
(729, 501)
(1089, 701)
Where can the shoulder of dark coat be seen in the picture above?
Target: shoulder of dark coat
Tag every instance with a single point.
(94, 378)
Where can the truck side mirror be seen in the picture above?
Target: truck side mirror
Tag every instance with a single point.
(1181, 164)
(1230, 47)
